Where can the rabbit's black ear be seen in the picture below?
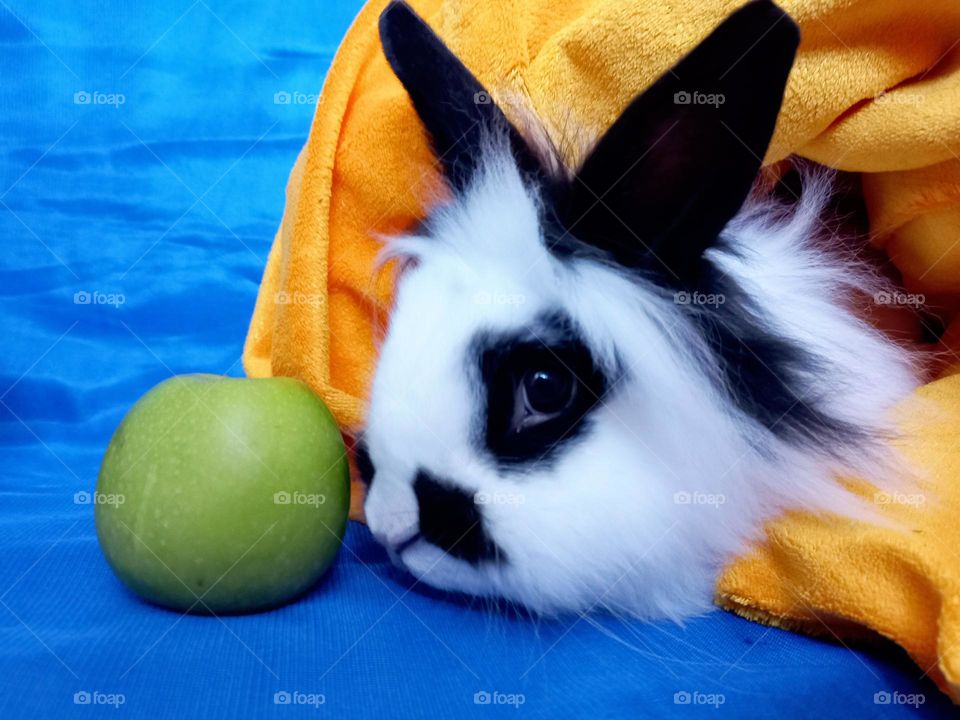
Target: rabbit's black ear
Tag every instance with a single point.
(457, 111)
(678, 164)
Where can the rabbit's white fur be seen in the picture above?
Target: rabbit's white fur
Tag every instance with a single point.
(671, 479)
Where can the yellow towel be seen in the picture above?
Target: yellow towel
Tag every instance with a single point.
(875, 90)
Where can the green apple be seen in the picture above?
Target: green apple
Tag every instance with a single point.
(221, 494)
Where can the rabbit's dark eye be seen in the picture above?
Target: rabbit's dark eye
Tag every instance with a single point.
(540, 384)
(545, 391)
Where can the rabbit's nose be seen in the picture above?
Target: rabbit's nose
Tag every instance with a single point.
(450, 519)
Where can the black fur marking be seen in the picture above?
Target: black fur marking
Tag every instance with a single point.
(450, 519)
(769, 377)
(504, 357)
(677, 165)
(456, 110)
(361, 456)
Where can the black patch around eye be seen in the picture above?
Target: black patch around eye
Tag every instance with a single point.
(551, 344)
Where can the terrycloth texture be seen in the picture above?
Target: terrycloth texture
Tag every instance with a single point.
(876, 89)
(833, 578)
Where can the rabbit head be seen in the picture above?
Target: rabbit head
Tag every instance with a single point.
(597, 384)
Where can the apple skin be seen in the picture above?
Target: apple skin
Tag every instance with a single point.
(190, 508)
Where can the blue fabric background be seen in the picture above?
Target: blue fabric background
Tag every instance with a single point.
(170, 198)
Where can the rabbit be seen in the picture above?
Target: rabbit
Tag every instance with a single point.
(597, 384)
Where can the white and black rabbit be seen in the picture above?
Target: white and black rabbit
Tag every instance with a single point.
(597, 384)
